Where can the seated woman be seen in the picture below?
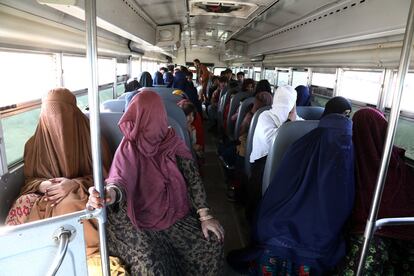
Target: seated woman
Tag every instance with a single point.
(58, 166)
(283, 109)
(144, 81)
(248, 86)
(304, 96)
(391, 251)
(263, 85)
(158, 79)
(298, 226)
(159, 222)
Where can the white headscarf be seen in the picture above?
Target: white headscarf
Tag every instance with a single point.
(270, 120)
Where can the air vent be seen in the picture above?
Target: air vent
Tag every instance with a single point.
(227, 8)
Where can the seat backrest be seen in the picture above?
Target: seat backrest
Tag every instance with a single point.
(113, 106)
(234, 104)
(288, 133)
(160, 85)
(249, 141)
(176, 113)
(244, 108)
(222, 105)
(310, 112)
(165, 93)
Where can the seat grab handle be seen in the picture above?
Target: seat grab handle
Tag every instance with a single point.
(63, 236)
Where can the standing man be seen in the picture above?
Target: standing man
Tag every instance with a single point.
(202, 77)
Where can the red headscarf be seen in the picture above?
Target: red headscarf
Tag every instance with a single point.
(145, 165)
(369, 132)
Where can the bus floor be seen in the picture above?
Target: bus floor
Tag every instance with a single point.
(229, 214)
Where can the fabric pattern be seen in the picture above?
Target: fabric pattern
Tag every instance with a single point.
(20, 211)
(180, 249)
(272, 266)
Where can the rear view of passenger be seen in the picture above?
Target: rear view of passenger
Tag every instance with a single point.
(58, 165)
(392, 247)
(299, 222)
(160, 213)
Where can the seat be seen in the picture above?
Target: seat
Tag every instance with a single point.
(122, 97)
(113, 106)
(288, 133)
(160, 85)
(234, 104)
(165, 93)
(244, 108)
(176, 113)
(310, 112)
(222, 105)
(249, 141)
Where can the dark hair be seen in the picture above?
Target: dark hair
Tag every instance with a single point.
(240, 73)
(223, 79)
(196, 60)
(263, 85)
(132, 85)
(189, 74)
(233, 84)
(227, 71)
(214, 78)
(170, 67)
(246, 83)
(188, 108)
(183, 69)
(163, 69)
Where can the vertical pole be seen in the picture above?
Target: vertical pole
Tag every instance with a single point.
(338, 77)
(115, 84)
(290, 76)
(93, 97)
(389, 140)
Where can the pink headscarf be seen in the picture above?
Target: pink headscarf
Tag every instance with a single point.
(145, 165)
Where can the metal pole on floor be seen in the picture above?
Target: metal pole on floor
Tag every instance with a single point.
(93, 96)
(389, 141)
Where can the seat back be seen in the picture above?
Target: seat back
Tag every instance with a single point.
(113, 105)
(288, 133)
(234, 104)
(244, 108)
(249, 141)
(178, 129)
(165, 93)
(222, 105)
(310, 112)
(176, 113)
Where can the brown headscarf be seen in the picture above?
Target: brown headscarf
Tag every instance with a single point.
(61, 147)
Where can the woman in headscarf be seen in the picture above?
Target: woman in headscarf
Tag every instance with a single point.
(181, 82)
(58, 165)
(338, 105)
(283, 109)
(158, 80)
(299, 223)
(263, 85)
(391, 251)
(159, 223)
(146, 79)
(304, 96)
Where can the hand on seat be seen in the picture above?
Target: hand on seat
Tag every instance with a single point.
(95, 201)
(214, 226)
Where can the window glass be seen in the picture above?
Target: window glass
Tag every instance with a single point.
(361, 86)
(149, 66)
(121, 69)
(17, 130)
(283, 78)
(75, 72)
(270, 75)
(404, 136)
(323, 79)
(106, 94)
(217, 70)
(120, 89)
(257, 76)
(407, 101)
(135, 68)
(106, 70)
(25, 77)
(299, 78)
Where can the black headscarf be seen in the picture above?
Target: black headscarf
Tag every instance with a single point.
(338, 105)
(146, 79)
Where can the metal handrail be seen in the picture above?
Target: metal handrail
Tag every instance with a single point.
(64, 239)
(389, 140)
(393, 222)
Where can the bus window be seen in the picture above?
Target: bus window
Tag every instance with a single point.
(283, 78)
(135, 68)
(324, 79)
(407, 101)
(217, 70)
(270, 75)
(75, 72)
(299, 78)
(361, 86)
(106, 71)
(26, 76)
(122, 68)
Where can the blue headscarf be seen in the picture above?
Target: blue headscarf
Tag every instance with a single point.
(168, 78)
(146, 79)
(303, 212)
(304, 96)
(180, 82)
(158, 80)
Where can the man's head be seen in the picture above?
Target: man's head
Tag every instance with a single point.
(196, 62)
(240, 77)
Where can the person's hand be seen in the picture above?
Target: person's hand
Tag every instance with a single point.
(59, 189)
(96, 202)
(44, 185)
(212, 225)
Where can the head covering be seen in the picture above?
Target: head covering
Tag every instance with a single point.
(180, 82)
(168, 78)
(303, 212)
(61, 147)
(338, 105)
(263, 85)
(262, 99)
(146, 79)
(270, 120)
(304, 96)
(145, 165)
(370, 128)
(158, 80)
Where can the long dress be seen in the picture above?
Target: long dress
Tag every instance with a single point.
(179, 250)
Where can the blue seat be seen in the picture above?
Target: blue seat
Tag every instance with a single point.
(176, 113)
(165, 93)
(288, 133)
(234, 104)
(244, 108)
(310, 112)
(113, 106)
(224, 99)
(249, 141)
